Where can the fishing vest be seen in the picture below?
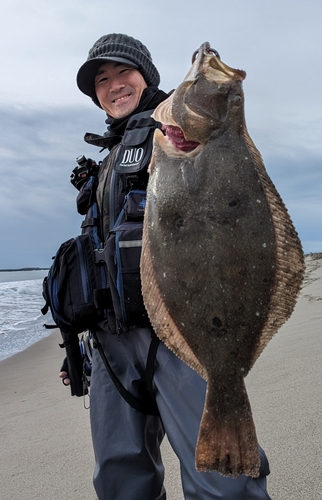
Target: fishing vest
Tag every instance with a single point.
(115, 218)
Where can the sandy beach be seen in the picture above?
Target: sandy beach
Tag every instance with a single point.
(46, 450)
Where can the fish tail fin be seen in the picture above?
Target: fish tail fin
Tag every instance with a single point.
(227, 439)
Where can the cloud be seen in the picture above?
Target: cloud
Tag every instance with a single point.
(43, 116)
(37, 201)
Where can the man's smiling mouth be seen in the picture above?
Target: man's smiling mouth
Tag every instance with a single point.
(119, 99)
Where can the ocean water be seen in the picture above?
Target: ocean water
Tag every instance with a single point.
(21, 320)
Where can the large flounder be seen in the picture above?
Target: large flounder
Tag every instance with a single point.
(221, 263)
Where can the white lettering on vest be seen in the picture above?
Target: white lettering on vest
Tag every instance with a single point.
(132, 157)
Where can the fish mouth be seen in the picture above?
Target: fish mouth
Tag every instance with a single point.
(177, 138)
(171, 137)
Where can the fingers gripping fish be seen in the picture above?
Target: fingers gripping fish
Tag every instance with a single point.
(221, 263)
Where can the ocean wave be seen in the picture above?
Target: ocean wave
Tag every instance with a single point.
(21, 321)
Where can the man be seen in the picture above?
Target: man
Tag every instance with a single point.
(120, 77)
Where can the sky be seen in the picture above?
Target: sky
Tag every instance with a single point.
(43, 115)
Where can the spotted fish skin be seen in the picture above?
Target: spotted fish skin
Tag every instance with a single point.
(221, 263)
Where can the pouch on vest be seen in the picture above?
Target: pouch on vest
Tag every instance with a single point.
(75, 289)
(122, 253)
(136, 146)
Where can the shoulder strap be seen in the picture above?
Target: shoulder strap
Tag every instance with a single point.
(147, 407)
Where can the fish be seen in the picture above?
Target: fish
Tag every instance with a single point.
(221, 264)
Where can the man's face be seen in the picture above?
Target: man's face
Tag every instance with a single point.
(119, 88)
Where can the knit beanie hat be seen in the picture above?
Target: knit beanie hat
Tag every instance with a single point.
(119, 48)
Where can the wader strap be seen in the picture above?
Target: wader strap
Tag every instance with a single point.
(147, 407)
(150, 369)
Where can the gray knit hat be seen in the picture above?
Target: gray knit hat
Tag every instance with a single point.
(119, 48)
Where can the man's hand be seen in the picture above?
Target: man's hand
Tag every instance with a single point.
(64, 373)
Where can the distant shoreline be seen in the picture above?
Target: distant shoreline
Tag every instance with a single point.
(314, 255)
(24, 269)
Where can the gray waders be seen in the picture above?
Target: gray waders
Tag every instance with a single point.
(127, 442)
